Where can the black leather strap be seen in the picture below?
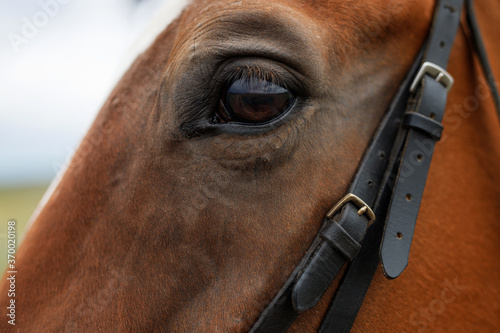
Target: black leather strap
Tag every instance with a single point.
(312, 284)
(357, 278)
(356, 281)
(280, 313)
(419, 145)
(481, 52)
(339, 238)
(328, 259)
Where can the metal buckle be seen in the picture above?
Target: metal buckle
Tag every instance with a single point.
(439, 74)
(363, 207)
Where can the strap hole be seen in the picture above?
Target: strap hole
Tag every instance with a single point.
(451, 8)
(433, 115)
(420, 157)
(441, 44)
(370, 182)
(408, 196)
(381, 155)
(399, 235)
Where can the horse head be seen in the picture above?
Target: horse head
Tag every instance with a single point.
(209, 169)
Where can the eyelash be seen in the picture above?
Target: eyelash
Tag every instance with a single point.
(255, 72)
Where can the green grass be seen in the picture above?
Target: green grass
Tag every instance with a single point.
(17, 204)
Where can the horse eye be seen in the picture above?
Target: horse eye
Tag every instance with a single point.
(254, 101)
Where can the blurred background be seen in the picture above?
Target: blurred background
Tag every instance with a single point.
(59, 60)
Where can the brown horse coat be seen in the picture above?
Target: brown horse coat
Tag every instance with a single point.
(163, 224)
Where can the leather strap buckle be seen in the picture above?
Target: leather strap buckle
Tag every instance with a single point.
(438, 73)
(363, 207)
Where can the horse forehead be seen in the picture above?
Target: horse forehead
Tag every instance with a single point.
(249, 14)
(333, 10)
(322, 23)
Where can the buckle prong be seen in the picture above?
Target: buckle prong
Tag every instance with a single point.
(362, 210)
(363, 207)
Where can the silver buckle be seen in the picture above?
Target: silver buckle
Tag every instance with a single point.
(363, 207)
(439, 74)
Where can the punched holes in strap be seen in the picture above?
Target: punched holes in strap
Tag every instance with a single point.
(341, 240)
(423, 124)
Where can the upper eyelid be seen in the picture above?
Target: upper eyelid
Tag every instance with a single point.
(271, 75)
(274, 74)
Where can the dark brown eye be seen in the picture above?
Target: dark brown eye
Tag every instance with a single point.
(254, 101)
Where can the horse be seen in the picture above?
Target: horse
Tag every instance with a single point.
(185, 209)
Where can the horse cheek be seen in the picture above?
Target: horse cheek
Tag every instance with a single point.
(414, 321)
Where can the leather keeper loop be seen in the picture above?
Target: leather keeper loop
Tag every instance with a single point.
(341, 240)
(423, 124)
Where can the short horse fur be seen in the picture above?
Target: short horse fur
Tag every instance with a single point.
(160, 224)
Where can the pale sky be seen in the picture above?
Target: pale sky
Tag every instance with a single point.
(53, 86)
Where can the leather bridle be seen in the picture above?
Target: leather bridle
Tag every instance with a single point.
(388, 185)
